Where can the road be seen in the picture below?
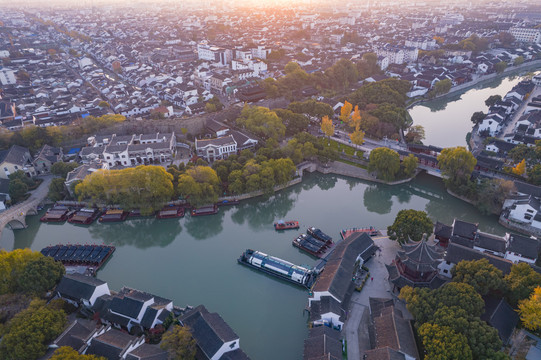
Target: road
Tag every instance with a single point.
(510, 126)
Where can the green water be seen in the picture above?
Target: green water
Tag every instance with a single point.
(446, 120)
(193, 260)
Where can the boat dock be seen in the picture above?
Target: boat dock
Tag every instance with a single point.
(86, 259)
(372, 231)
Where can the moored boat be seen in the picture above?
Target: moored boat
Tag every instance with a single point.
(370, 230)
(113, 215)
(286, 225)
(318, 234)
(56, 214)
(227, 202)
(310, 244)
(205, 210)
(85, 259)
(170, 212)
(84, 216)
(277, 267)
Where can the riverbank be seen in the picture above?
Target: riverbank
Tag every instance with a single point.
(479, 81)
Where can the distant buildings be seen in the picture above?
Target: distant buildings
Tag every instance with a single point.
(527, 35)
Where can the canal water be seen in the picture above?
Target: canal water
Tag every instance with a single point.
(446, 120)
(194, 260)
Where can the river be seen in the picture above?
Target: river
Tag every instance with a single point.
(446, 120)
(193, 260)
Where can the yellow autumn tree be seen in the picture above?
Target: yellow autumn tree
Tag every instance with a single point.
(327, 126)
(520, 169)
(357, 137)
(530, 310)
(355, 120)
(345, 112)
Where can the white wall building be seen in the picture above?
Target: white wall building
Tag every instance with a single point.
(216, 149)
(528, 35)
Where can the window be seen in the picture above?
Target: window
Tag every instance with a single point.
(529, 210)
(6, 169)
(16, 167)
(445, 271)
(232, 345)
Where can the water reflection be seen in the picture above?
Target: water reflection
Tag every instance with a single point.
(378, 200)
(205, 227)
(326, 182)
(262, 214)
(24, 238)
(140, 233)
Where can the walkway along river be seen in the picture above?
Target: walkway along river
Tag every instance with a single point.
(193, 260)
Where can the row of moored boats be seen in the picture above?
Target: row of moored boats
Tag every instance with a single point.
(86, 216)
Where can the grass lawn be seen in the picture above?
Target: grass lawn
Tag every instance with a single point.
(352, 163)
(339, 147)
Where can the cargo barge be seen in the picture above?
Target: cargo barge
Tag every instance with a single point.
(311, 245)
(56, 214)
(84, 216)
(85, 259)
(369, 230)
(277, 267)
(113, 216)
(286, 225)
(205, 210)
(320, 235)
(170, 212)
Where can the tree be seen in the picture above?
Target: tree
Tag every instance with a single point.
(40, 275)
(519, 60)
(477, 117)
(295, 123)
(492, 193)
(357, 137)
(506, 38)
(385, 162)
(442, 343)
(20, 175)
(410, 225)
(520, 168)
(103, 104)
(291, 67)
(146, 188)
(500, 67)
(199, 185)
(530, 310)
(262, 122)
(341, 75)
(410, 165)
(483, 276)
(271, 88)
(439, 40)
(345, 112)
(534, 174)
(522, 151)
(62, 169)
(69, 353)
(416, 134)
(17, 190)
(456, 165)
(327, 126)
(521, 282)
(12, 265)
(492, 100)
(443, 86)
(180, 343)
(29, 332)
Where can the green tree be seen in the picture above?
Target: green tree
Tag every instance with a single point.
(17, 190)
(391, 91)
(492, 100)
(477, 117)
(534, 174)
(342, 75)
(21, 176)
(12, 265)
(506, 38)
(416, 134)
(271, 88)
(27, 335)
(291, 67)
(103, 104)
(491, 193)
(410, 225)
(180, 343)
(521, 282)
(295, 123)
(410, 165)
(69, 353)
(522, 151)
(483, 276)
(519, 60)
(385, 162)
(262, 122)
(500, 67)
(443, 86)
(456, 165)
(62, 169)
(40, 275)
(442, 343)
(199, 185)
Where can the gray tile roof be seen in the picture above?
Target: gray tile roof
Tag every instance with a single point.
(110, 344)
(456, 253)
(525, 246)
(147, 352)
(77, 287)
(318, 346)
(500, 315)
(16, 155)
(385, 353)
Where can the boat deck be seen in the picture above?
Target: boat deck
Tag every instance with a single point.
(85, 259)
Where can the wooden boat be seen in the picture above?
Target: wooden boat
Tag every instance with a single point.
(170, 212)
(84, 216)
(205, 210)
(310, 244)
(114, 216)
(318, 234)
(286, 225)
(56, 214)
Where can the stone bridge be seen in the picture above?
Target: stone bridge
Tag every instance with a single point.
(15, 216)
